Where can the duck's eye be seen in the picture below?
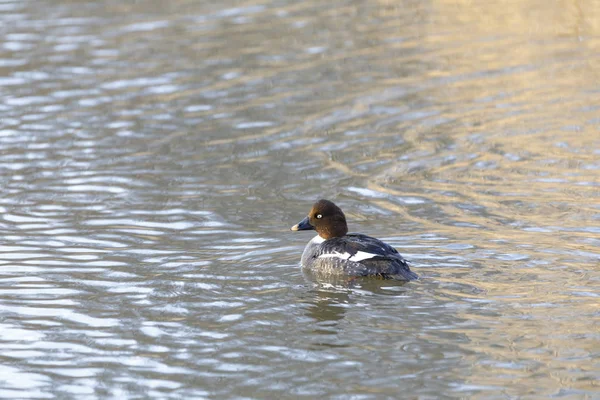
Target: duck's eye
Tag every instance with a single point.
(319, 216)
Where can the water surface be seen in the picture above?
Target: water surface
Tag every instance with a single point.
(154, 155)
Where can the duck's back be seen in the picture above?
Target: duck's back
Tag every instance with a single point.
(356, 255)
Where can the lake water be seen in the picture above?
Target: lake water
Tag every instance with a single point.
(154, 155)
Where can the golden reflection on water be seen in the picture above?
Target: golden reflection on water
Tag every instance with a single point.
(522, 136)
(519, 120)
(546, 18)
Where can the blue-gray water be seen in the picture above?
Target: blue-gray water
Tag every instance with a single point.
(153, 156)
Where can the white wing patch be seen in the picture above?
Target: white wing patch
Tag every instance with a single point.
(359, 256)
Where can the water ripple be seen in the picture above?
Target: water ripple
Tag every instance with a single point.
(155, 157)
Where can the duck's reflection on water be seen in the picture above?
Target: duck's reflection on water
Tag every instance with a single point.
(331, 296)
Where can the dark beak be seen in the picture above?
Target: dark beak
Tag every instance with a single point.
(303, 225)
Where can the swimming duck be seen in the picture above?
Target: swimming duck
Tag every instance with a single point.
(337, 252)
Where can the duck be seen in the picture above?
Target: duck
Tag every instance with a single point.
(335, 251)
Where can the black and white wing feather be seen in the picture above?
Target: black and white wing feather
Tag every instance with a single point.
(365, 255)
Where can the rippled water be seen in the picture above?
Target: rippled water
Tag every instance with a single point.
(154, 155)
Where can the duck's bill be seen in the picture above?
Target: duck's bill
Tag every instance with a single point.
(303, 225)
